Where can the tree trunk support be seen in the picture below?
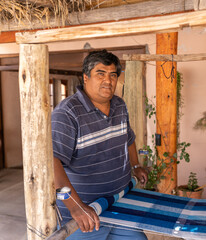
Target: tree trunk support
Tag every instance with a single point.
(166, 106)
(134, 96)
(37, 141)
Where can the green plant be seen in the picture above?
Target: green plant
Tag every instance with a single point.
(160, 167)
(201, 123)
(192, 182)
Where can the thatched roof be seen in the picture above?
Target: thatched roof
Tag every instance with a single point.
(19, 11)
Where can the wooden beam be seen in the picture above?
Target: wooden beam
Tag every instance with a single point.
(10, 68)
(64, 232)
(65, 72)
(166, 108)
(9, 55)
(136, 10)
(199, 4)
(53, 73)
(202, 4)
(2, 147)
(72, 84)
(112, 29)
(37, 141)
(165, 57)
(134, 96)
(7, 37)
(57, 92)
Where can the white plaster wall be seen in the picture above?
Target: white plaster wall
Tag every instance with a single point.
(194, 95)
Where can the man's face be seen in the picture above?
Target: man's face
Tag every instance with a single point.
(102, 83)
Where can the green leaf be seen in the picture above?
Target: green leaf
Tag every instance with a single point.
(165, 154)
(175, 155)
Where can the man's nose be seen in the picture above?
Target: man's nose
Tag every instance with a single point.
(108, 78)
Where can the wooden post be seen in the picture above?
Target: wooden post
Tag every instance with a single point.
(57, 92)
(166, 110)
(134, 96)
(72, 83)
(36, 141)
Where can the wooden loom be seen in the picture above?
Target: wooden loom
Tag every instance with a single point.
(151, 211)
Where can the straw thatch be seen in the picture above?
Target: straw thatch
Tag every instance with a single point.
(29, 12)
(19, 11)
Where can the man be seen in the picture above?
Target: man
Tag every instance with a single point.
(94, 147)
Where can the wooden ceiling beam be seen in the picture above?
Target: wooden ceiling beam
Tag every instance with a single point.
(136, 10)
(53, 72)
(165, 57)
(121, 28)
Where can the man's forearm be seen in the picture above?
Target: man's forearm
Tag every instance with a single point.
(133, 157)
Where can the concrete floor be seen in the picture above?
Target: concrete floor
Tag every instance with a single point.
(12, 211)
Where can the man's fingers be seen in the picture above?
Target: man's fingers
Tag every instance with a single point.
(80, 224)
(97, 225)
(97, 222)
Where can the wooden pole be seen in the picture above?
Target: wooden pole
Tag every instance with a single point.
(166, 110)
(134, 96)
(57, 92)
(36, 141)
(72, 83)
(165, 57)
(65, 231)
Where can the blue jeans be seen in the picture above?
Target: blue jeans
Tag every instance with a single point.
(109, 233)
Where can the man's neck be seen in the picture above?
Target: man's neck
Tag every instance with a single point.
(103, 107)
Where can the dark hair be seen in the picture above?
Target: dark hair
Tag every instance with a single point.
(104, 57)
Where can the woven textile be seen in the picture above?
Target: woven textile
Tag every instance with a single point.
(156, 212)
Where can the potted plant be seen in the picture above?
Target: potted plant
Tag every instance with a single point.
(159, 167)
(191, 189)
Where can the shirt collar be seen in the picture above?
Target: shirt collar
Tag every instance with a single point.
(84, 99)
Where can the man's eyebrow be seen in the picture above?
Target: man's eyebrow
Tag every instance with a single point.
(99, 70)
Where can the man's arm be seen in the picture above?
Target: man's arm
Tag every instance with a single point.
(86, 223)
(139, 172)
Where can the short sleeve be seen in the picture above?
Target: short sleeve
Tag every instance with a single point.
(64, 133)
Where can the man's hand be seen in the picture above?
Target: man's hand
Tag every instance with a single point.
(139, 172)
(141, 175)
(86, 217)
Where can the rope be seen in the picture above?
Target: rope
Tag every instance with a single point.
(172, 72)
(35, 231)
(81, 208)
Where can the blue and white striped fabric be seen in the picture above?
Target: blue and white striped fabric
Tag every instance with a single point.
(160, 213)
(102, 204)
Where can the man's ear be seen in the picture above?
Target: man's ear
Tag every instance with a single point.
(85, 78)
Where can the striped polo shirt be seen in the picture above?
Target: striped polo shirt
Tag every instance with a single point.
(92, 146)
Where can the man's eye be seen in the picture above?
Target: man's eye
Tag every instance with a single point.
(113, 75)
(101, 74)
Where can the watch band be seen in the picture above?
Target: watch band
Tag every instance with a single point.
(136, 166)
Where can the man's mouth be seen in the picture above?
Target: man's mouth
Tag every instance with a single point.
(107, 87)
